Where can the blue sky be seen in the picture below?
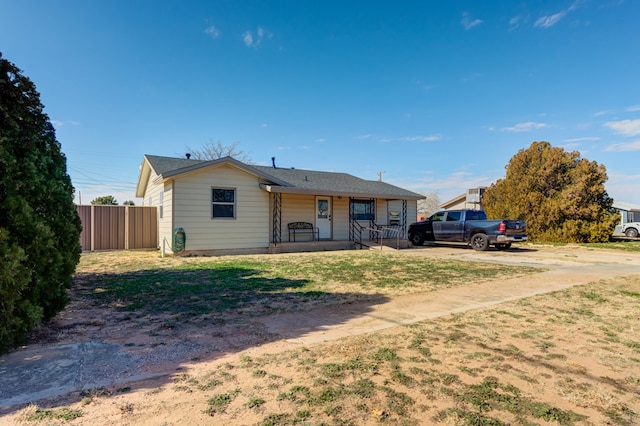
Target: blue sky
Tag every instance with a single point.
(438, 95)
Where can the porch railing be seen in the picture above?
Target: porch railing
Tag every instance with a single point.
(356, 233)
(377, 234)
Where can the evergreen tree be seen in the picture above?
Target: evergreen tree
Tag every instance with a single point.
(559, 194)
(39, 225)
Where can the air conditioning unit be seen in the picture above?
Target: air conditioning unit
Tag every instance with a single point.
(474, 195)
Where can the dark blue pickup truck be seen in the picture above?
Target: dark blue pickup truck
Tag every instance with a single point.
(468, 226)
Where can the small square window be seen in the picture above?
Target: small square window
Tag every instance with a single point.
(223, 203)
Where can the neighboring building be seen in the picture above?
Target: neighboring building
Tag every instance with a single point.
(472, 199)
(227, 205)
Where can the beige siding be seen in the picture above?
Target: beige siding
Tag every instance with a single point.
(340, 221)
(165, 223)
(462, 204)
(298, 208)
(381, 212)
(153, 191)
(412, 211)
(192, 210)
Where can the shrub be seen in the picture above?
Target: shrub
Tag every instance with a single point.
(39, 225)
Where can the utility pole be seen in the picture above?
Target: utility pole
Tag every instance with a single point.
(380, 176)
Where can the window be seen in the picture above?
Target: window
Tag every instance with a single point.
(160, 204)
(476, 215)
(223, 203)
(453, 216)
(394, 218)
(438, 217)
(323, 209)
(363, 210)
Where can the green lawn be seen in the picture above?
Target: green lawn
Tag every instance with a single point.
(259, 285)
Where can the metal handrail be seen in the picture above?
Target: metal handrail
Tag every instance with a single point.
(381, 230)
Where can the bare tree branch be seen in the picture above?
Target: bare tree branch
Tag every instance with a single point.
(214, 150)
(430, 205)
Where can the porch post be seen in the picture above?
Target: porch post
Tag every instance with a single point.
(351, 233)
(373, 236)
(277, 219)
(404, 219)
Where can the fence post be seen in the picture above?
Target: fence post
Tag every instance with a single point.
(93, 227)
(126, 227)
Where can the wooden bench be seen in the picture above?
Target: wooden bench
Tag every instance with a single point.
(304, 228)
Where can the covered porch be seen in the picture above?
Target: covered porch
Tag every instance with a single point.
(337, 222)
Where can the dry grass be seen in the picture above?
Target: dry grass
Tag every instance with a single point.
(571, 357)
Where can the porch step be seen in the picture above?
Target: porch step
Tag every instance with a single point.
(386, 246)
(383, 248)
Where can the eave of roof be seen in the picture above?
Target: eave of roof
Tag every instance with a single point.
(621, 205)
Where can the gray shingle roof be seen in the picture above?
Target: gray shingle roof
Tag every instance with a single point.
(337, 182)
(291, 180)
(162, 165)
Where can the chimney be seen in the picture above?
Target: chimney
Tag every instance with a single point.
(188, 156)
(273, 161)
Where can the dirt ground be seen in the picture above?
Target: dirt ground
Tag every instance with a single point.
(179, 357)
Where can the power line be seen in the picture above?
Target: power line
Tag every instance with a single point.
(79, 171)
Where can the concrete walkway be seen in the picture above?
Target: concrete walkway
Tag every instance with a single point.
(32, 374)
(332, 324)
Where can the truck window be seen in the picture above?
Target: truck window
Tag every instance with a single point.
(476, 215)
(438, 217)
(453, 216)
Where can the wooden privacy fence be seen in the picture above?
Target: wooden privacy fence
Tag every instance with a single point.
(118, 227)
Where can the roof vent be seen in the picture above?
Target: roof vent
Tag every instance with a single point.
(187, 155)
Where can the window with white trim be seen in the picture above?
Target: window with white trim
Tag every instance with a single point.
(161, 204)
(223, 203)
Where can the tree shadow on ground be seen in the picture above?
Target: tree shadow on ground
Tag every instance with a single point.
(122, 327)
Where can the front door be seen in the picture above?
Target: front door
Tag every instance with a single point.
(323, 217)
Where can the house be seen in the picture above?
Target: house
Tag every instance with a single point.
(472, 199)
(227, 205)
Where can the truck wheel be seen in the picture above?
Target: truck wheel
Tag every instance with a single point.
(416, 239)
(631, 232)
(480, 242)
(503, 246)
